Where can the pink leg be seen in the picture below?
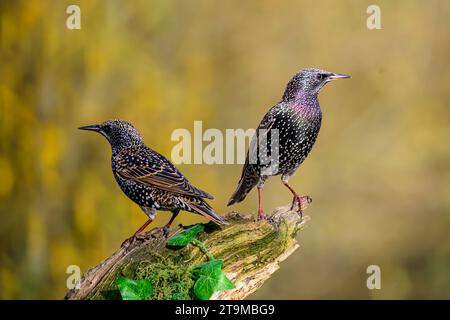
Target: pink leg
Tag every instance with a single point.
(296, 199)
(143, 227)
(261, 214)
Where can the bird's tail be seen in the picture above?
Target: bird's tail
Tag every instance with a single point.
(203, 208)
(245, 185)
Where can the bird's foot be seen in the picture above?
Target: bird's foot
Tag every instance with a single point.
(136, 237)
(142, 236)
(166, 231)
(130, 240)
(261, 215)
(297, 204)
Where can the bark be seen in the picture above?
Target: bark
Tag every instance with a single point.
(251, 251)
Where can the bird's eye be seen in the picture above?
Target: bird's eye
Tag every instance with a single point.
(320, 76)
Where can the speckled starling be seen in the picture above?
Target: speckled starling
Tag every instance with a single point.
(296, 120)
(148, 178)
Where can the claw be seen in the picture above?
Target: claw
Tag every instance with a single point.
(128, 241)
(166, 231)
(261, 215)
(297, 201)
(143, 235)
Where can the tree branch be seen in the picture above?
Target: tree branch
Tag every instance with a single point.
(251, 251)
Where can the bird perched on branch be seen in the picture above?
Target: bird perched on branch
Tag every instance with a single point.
(148, 178)
(285, 136)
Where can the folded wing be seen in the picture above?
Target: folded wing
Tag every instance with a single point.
(152, 169)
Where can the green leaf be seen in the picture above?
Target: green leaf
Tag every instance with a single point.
(210, 279)
(207, 268)
(223, 283)
(186, 236)
(204, 288)
(134, 289)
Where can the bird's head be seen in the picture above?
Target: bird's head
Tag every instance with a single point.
(309, 82)
(119, 133)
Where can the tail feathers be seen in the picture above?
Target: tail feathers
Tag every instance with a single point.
(205, 210)
(244, 187)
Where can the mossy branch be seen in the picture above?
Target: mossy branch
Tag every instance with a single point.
(251, 251)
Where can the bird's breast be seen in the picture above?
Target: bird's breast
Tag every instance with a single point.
(296, 133)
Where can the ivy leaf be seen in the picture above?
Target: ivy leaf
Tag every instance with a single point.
(210, 278)
(204, 288)
(134, 289)
(186, 236)
(223, 283)
(207, 268)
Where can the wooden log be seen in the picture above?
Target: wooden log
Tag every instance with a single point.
(251, 250)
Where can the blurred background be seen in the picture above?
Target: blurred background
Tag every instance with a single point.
(379, 173)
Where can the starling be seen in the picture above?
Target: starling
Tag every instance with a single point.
(148, 178)
(296, 119)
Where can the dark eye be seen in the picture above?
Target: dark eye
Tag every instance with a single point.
(320, 76)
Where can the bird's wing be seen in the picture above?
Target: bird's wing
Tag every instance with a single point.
(152, 169)
(261, 133)
(251, 173)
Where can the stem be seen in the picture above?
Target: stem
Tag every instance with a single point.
(202, 246)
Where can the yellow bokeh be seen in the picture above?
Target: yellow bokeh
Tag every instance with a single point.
(379, 174)
(7, 181)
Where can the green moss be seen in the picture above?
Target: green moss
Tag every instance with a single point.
(171, 279)
(270, 241)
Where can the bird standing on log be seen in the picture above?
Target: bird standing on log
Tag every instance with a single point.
(148, 178)
(290, 128)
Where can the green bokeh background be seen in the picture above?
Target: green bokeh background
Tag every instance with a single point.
(379, 173)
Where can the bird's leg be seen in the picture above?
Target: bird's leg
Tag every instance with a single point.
(261, 214)
(296, 199)
(166, 228)
(138, 231)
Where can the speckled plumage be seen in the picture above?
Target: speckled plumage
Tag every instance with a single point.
(147, 177)
(296, 119)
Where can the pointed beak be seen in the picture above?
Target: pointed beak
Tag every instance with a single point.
(94, 127)
(336, 76)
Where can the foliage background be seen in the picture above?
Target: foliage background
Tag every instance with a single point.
(379, 174)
